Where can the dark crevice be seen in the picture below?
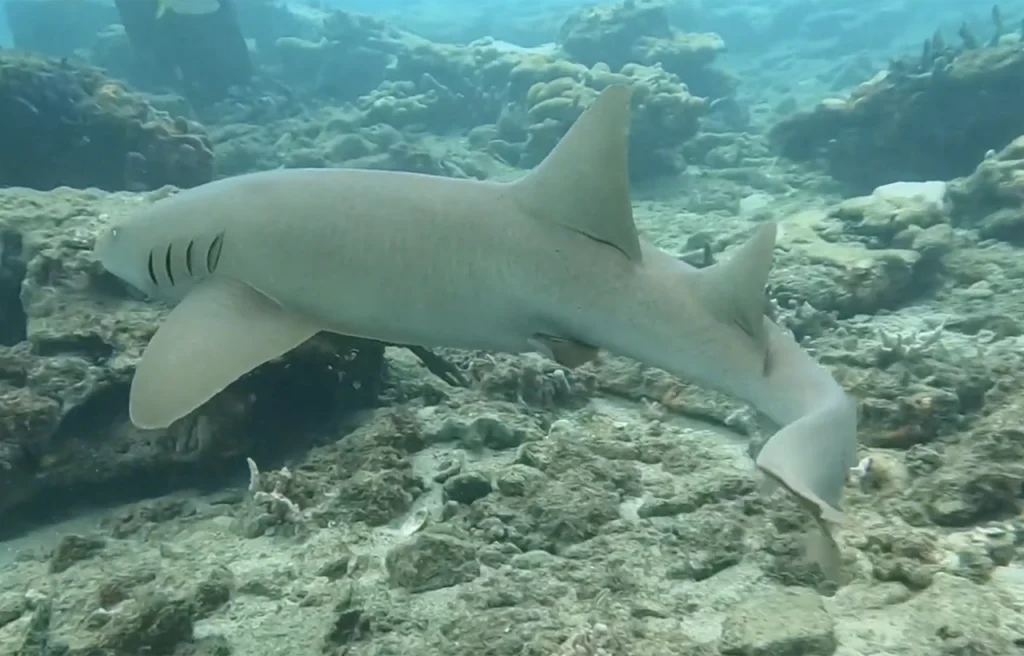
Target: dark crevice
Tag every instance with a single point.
(155, 477)
(93, 417)
(89, 346)
(57, 503)
(13, 320)
(302, 401)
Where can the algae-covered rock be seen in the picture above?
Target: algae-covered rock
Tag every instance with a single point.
(908, 215)
(633, 32)
(980, 477)
(842, 276)
(522, 99)
(991, 199)
(913, 124)
(665, 114)
(431, 561)
(62, 124)
(797, 624)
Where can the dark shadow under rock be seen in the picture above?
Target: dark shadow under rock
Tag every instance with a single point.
(93, 455)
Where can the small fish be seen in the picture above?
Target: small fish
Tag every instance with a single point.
(190, 7)
(414, 522)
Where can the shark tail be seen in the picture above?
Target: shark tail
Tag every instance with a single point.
(822, 549)
(812, 456)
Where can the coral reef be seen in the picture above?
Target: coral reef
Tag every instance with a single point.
(639, 32)
(558, 91)
(62, 124)
(348, 60)
(991, 199)
(382, 96)
(514, 102)
(829, 29)
(932, 117)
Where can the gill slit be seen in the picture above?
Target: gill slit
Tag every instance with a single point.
(152, 270)
(167, 263)
(213, 253)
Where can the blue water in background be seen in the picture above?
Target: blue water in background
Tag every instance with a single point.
(933, 14)
(5, 32)
(927, 15)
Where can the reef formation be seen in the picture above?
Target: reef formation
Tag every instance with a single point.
(376, 90)
(67, 124)
(515, 102)
(929, 117)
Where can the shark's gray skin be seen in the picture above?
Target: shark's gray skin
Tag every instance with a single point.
(258, 263)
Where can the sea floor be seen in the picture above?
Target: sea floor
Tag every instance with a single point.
(610, 512)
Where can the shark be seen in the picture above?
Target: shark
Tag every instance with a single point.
(551, 262)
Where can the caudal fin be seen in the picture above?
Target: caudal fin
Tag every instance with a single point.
(812, 456)
(822, 549)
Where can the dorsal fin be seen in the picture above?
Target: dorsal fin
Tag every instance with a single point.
(583, 184)
(736, 287)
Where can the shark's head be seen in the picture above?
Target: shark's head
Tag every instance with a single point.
(152, 254)
(121, 250)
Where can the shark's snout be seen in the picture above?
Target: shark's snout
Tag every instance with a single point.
(112, 250)
(104, 249)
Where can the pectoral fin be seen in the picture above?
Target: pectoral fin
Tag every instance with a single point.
(220, 331)
(564, 351)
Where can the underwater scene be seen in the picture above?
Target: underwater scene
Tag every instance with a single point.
(511, 328)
